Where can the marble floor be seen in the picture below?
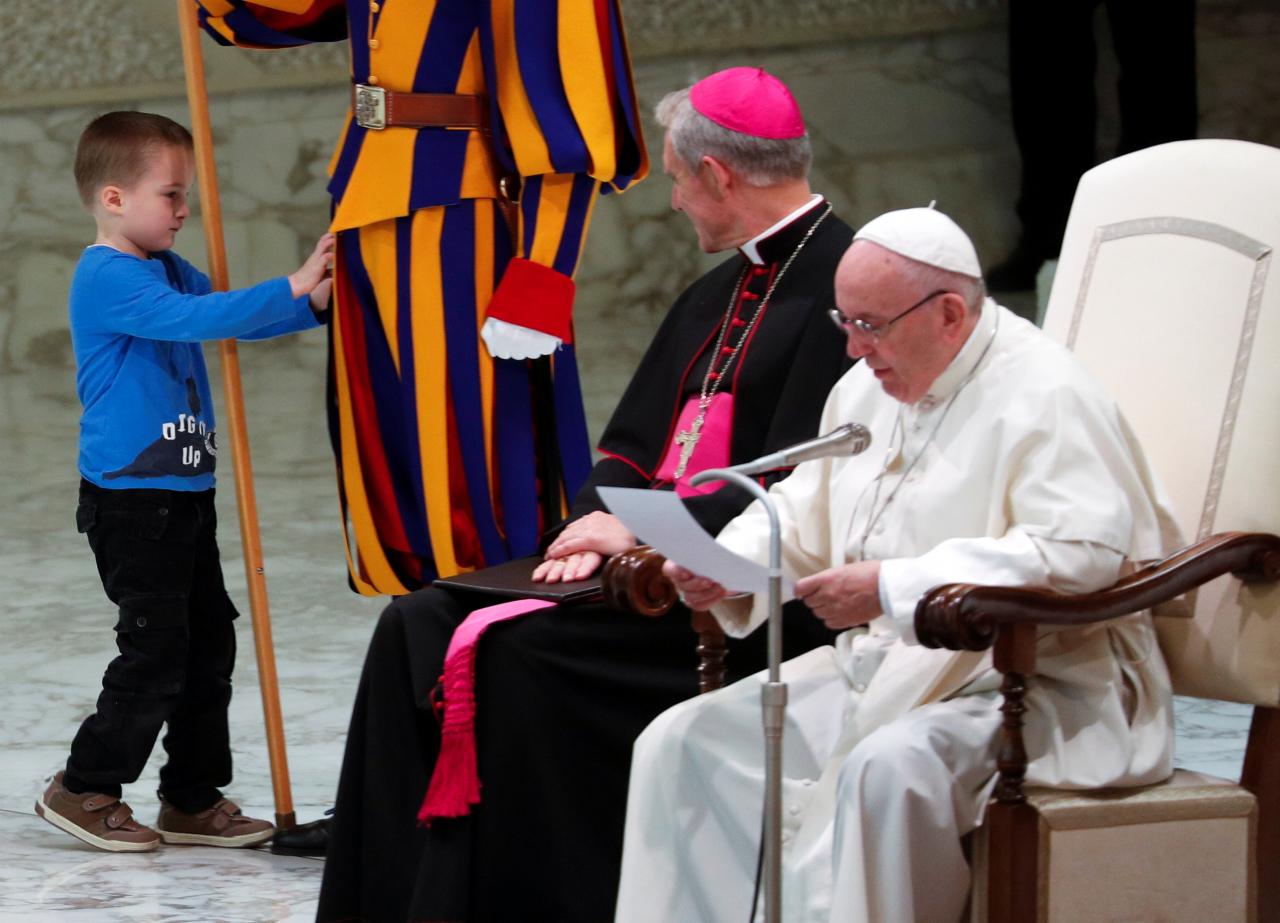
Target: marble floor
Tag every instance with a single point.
(58, 639)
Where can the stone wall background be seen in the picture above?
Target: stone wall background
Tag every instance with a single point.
(907, 101)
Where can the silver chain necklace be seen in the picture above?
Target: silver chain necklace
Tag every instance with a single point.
(873, 514)
(688, 439)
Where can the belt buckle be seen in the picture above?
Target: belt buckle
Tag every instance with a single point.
(371, 106)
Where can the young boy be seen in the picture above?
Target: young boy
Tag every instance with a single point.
(147, 451)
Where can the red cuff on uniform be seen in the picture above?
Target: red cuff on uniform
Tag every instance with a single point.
(534, 296)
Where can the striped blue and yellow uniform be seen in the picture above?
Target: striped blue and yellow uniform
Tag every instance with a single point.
(450, 460)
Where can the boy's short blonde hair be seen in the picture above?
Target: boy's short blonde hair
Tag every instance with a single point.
(114, 148)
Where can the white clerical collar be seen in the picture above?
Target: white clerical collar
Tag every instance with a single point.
(967, 359)
(751, 248)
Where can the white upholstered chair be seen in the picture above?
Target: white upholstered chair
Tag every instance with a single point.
(1167, 291)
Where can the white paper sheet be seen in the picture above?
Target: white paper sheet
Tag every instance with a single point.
(659, 518)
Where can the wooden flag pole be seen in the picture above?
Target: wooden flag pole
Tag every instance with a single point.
(211, 209)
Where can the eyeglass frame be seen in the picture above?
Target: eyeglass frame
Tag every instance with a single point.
(876, 332)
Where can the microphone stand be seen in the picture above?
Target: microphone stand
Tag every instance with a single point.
(773, 696)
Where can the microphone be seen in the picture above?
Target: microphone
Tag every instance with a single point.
(849, 439)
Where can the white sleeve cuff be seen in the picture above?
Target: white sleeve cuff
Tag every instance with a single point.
(509, 341)
(897, 599)
(739, 615)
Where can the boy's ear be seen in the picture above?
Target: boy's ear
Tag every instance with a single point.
(111, 198)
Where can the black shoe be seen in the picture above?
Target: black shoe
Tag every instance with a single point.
(310, 839)
(1018, 272)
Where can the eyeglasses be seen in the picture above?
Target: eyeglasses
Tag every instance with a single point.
(876, 331)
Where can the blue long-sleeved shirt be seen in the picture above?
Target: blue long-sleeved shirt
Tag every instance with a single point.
(136, 329)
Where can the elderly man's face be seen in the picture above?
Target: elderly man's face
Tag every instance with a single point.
(914, 350)
(691, 194)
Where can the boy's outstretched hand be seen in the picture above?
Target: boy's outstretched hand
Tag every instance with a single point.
(312, 278)
(320, 295)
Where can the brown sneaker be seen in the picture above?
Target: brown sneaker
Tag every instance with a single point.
(100, 820)
(220, 825)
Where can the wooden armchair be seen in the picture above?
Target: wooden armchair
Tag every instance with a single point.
(1055, 855)
(1162, 290)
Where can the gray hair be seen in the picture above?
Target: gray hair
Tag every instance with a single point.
(759, 161)
(928, 278)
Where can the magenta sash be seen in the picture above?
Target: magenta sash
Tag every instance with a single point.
(455, 782)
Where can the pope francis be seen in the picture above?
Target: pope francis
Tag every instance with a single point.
(997, 461)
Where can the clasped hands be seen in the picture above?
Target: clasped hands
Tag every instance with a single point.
(842, 597)
(581, 546)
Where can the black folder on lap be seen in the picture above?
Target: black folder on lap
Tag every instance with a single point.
(512, 581)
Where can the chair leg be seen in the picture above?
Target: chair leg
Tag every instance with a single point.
(1013, 826)
(1261, 776)
(1012, 863)
(711, 651)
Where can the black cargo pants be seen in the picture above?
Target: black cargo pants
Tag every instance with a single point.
(157, 554)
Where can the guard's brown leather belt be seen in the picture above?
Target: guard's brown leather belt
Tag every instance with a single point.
(378, 107)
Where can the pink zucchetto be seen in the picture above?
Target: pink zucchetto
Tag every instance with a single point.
(750, 101)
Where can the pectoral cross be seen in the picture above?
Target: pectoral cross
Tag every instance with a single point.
(688, 440)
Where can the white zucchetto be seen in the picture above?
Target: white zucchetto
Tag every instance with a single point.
(925, 235)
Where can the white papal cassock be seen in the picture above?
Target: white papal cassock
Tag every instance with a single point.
(1014, 469)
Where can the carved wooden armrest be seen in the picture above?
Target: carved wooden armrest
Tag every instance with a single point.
(633, 582)
(963, 616)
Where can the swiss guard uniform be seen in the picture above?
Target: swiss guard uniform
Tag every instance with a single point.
(479, 135)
